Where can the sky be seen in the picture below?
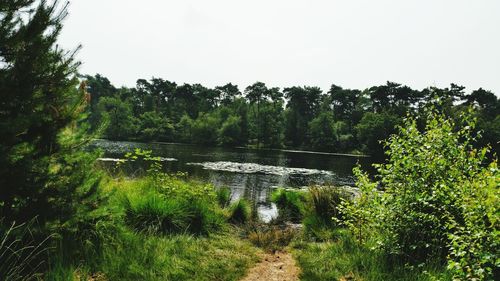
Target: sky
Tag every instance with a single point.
(351, 43)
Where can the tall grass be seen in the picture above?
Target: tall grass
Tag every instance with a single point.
(172, 231)
(240, 212)
(155, 214)
(129, 255)
(223, 195)
(344, 259)
(290, 204)
(21, 253)
(322, 213)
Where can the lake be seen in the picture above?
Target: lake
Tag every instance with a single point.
(250, 173)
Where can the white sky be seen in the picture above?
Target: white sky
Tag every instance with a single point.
(352, 43)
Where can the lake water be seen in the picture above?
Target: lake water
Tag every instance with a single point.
(250, 173)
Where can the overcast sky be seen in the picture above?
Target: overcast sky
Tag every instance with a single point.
(354, 44)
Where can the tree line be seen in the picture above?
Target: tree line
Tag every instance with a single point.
(303, 117)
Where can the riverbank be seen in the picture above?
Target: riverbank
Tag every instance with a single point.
(146, 232)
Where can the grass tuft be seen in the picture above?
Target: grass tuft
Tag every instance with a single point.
(223, 195)
(240, 212)
(290, 204)
(271, 237)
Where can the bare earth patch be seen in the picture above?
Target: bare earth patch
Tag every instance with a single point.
(279, 266)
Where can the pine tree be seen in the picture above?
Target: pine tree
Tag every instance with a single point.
(43, 171)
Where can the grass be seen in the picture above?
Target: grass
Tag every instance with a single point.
(176, 229)
(21, 253)
(270, 237)
(168, 230)
(344, 259)
(240, 212)
(291, 204)
(325, 250)
(136, 256)
(223, 196)
(322, 211)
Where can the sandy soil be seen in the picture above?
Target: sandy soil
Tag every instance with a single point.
(279, 266)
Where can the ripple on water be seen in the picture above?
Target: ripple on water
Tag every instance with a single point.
(163, 159)
(253, 168)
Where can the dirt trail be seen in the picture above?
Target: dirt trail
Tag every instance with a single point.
(274, 267)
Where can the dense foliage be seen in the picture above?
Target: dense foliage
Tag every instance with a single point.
(43, 171)
(341, 120)
(439, 202)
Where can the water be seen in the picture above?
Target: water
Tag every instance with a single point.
(250, 173)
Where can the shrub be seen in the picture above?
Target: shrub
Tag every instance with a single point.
(204, 217)
(475, 244)
(290, 203)
(240, 212)
(437, 200)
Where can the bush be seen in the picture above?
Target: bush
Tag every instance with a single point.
(475, 244)
(156, 214)
(204, 217)
(438, 200)
(290, 203)
(240, 212)
(162, 203)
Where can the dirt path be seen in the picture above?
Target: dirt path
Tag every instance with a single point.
(274, 267)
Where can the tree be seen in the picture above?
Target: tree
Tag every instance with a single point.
(98, 87)
(302, 107)
(204, 129)
(183, 129)
(230, 131)
(322, 131)
(375, 127)
(117, 114)
(484, 100)
(344, 101)
(43, 171)
(255, 94)
(228, 93)
(153, 127)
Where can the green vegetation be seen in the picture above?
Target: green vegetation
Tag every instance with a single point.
(343, 258)
(128, 255)
(431, 212)
(240, 212)
(290, 204)
(223, 195)
(340, 120)
(149, 235)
